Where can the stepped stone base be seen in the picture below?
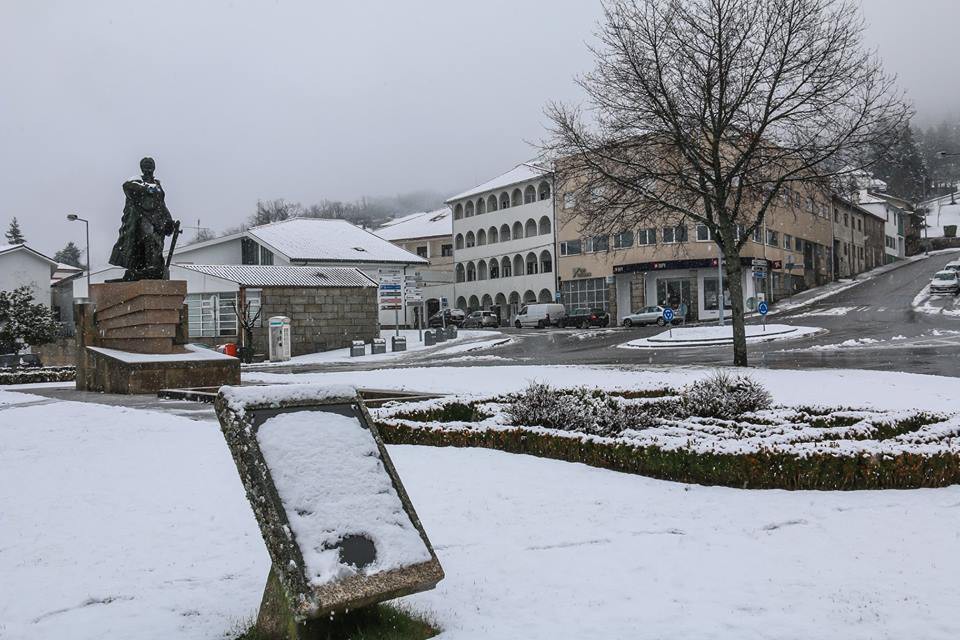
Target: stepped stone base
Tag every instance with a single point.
(132, 338)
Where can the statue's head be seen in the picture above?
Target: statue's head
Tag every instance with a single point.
(148, 166)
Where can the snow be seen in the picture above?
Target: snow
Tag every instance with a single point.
(193, 353)
(330, 240)
(828, 312)
(941, 213)
(332, 483)
(239, 398)
(709, 336)
(882, 390)
(473, 346)
(133, 524)
(425, 224)
(936, 304)
(520, 173)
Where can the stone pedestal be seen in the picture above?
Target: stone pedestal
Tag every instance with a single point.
(132, 338)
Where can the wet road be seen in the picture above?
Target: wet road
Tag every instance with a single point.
(884, 323)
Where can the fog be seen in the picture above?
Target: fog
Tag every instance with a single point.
(307, 100)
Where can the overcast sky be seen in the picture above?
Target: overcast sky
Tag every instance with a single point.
(302, 99)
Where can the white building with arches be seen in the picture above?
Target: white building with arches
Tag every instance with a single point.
(503, 242)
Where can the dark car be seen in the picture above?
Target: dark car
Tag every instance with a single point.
(481, 320)
(586, 318)
(447, 316)
(21, 361)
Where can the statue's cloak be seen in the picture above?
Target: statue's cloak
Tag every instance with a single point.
(144, 203)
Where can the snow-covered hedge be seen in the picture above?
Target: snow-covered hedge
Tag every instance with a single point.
(789, 448)
(723, 395)
(32, 376)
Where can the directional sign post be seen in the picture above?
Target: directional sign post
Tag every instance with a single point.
(763, 308)
(668, 318)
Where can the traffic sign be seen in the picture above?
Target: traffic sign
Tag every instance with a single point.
(759, 262)
(668, 314)
(763, 308)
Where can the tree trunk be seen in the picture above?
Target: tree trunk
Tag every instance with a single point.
(734, 275)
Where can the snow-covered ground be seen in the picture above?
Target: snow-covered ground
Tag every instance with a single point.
(942, 213)
(936, 304)
(131, 524)
(463, 342)
(711, 336)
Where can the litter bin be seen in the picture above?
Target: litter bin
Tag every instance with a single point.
(357, 348)
(379, 346)
(230, 349)
(429, 338)
(398, 343)
(440, 335)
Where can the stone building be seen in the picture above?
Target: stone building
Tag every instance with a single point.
(849, 238)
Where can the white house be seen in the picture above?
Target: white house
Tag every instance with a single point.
(307, 242)
(503, 242)
(895, 220)
(22, 266)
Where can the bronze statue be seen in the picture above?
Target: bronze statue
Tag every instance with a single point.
(145, 225)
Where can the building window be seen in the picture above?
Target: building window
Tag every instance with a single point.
(569, 200)
(710, 300)
(422, 251)
(773, 238)
(249, 251)
(673, 235)
(623, 240)
(266, 256)
(787, 241)
(798, 244)
(836, 216)
(211, 315)
(703, 233)
(601, 243)
(846, 220)
(446, 251)
(859, 224)
(588, 245)
(571, 248)
(674, 292)
(647, 236)
(758, 235)
(590, 293)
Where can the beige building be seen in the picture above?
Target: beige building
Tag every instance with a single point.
(675, 262)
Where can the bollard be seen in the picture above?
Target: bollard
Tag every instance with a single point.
(398, 343)
(357, 348)
(379, 346)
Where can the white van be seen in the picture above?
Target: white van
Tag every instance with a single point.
(540, 315)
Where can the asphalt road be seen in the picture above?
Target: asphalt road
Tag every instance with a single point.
(880, 314)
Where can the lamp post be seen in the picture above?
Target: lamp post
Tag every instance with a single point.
(72, 217)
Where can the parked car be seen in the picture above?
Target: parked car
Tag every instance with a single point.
(646, 315)
(953, 266)
(20, 361)
(540, 315)
(453, 316)
(586, 318)
(481, 320)
(945, 282)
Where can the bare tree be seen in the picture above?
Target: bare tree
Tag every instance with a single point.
(274, 211)
(705, 109)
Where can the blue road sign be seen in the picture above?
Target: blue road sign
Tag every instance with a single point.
(668, 314)
(763, 308)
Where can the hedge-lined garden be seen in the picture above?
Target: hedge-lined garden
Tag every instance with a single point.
(33, 376)
(742, 441)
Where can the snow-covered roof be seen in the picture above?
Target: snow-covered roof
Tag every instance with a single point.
(317, 239)
(7, 248)
(425, 224)
(521, 173)
(283, 276)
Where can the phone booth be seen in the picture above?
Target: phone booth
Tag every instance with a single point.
(279, 338)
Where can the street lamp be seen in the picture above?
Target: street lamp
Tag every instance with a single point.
(72, 217)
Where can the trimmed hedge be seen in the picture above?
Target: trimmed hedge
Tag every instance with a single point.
(33, 376)
(765, 470)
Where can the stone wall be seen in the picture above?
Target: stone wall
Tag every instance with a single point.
(320, 318)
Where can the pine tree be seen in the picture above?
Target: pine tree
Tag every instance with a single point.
(14, 235)
(70, 254)
(902, 166)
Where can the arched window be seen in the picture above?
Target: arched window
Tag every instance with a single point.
(474, 304)
(468, 210)
(545, 296)
(481, 237)
(505, 268)
(461, 273)
(544, 225)
(493, 236)
(458, 211)
(529, 194)
(518, 269)
(531, 229)
(486, 302)
(458, 243)
(504, 233)
(491, 202)
(501, 301)
(544, 190)
(531, 265)
(529, 297)
(494, 269)
(482, 270)
(471, 239)
(504, 200)
(516, 198)
(462, 303)
(546, 262)
(471, 272)
(481, 206)
(517, 230)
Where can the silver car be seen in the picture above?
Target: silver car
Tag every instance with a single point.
(945, 282)
(647, 315)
